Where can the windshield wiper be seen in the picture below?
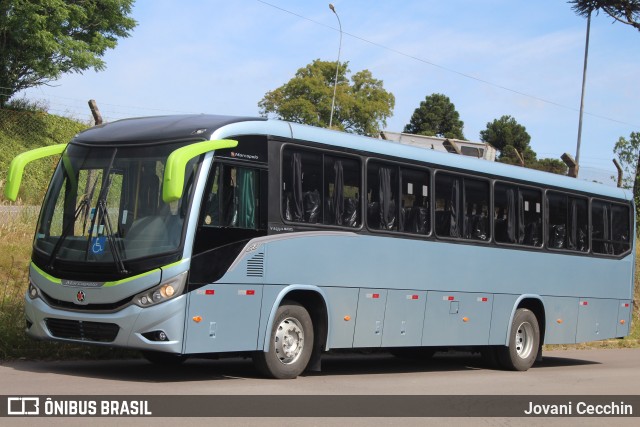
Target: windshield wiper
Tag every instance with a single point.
(84, 204)
(102, 214)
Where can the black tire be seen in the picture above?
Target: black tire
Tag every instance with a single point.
(524, 342)
(290, 343)
(167, 359)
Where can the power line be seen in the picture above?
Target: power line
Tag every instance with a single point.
(447, 69)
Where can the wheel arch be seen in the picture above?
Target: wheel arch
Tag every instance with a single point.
(314, 300)
(536, 305)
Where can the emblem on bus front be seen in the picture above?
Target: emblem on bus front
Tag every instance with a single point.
(80, 297)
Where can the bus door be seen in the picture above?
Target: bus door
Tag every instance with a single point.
(224, 316)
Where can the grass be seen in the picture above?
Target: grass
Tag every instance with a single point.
(16, 235)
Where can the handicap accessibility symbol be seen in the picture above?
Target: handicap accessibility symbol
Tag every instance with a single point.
(98, 244)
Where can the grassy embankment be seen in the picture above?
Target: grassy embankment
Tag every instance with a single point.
(21, 131)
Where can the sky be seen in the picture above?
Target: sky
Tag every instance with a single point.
(491, 58)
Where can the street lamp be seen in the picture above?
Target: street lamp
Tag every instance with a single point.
(335, 83)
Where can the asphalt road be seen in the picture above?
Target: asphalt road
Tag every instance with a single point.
(572, 372)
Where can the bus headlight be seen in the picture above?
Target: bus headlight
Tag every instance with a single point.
(163, 292)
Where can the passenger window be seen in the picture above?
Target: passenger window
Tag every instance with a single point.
(448, 209)
(233, 198)
(568, 222)
(382, 196)
(415, 216)
(476, 209)
(342, 191)
(320, 188)
(610, 228)
(620, 228)
(517, 215)
(301, 186)
(462, 207)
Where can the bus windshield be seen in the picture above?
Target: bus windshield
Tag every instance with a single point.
(104, 205)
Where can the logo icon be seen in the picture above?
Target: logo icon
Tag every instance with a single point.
(23, 406)
(80, 296)
(98, 244)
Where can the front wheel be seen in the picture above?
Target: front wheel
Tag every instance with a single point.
(290, 345)
(524, 342)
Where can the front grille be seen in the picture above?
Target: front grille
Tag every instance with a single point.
(80, 330)
(66, 305)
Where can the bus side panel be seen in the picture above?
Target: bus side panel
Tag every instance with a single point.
(624, 318)
(343, 303)
(500, 318)
(370, 318)
(457, 318)
(562, 319)
(404, 318)
(597, 319)
(222, 318)
(269, 295)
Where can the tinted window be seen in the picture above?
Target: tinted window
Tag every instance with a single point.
(301, 186)
(414, 205)
(568, 222)
(341, 191)
(320, 188)
(611, 229)
(382, 196)
(462, 207)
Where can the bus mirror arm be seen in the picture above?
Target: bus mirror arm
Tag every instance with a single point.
(173, 181)
(16, 168)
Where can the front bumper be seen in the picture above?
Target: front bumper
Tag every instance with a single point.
(132, 322)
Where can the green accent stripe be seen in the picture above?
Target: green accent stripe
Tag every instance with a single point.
(45, 275)
(16, 169)
(71, 174)
(129, 279)
(174, 171)
(109, 284)
(173, 264)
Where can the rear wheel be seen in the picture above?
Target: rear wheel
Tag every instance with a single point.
(290, 345)
(524, 342)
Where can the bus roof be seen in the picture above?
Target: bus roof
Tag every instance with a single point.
(202, 126)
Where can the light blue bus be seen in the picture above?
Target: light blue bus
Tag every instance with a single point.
(211, 235)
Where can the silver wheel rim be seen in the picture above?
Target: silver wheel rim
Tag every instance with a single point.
(524, 340)
(289, 340)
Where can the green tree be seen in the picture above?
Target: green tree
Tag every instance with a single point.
(628, 153)
(362, 105)
(556, 166)
(511, 140)
(509, 136)
(436, 116)
(625, 11)
(42, 39)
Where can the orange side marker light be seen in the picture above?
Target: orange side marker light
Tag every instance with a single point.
(197, 319)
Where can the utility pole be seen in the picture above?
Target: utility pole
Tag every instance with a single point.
(335, 83)
(584, 80)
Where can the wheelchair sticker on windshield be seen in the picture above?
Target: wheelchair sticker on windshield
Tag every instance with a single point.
(98, 244)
